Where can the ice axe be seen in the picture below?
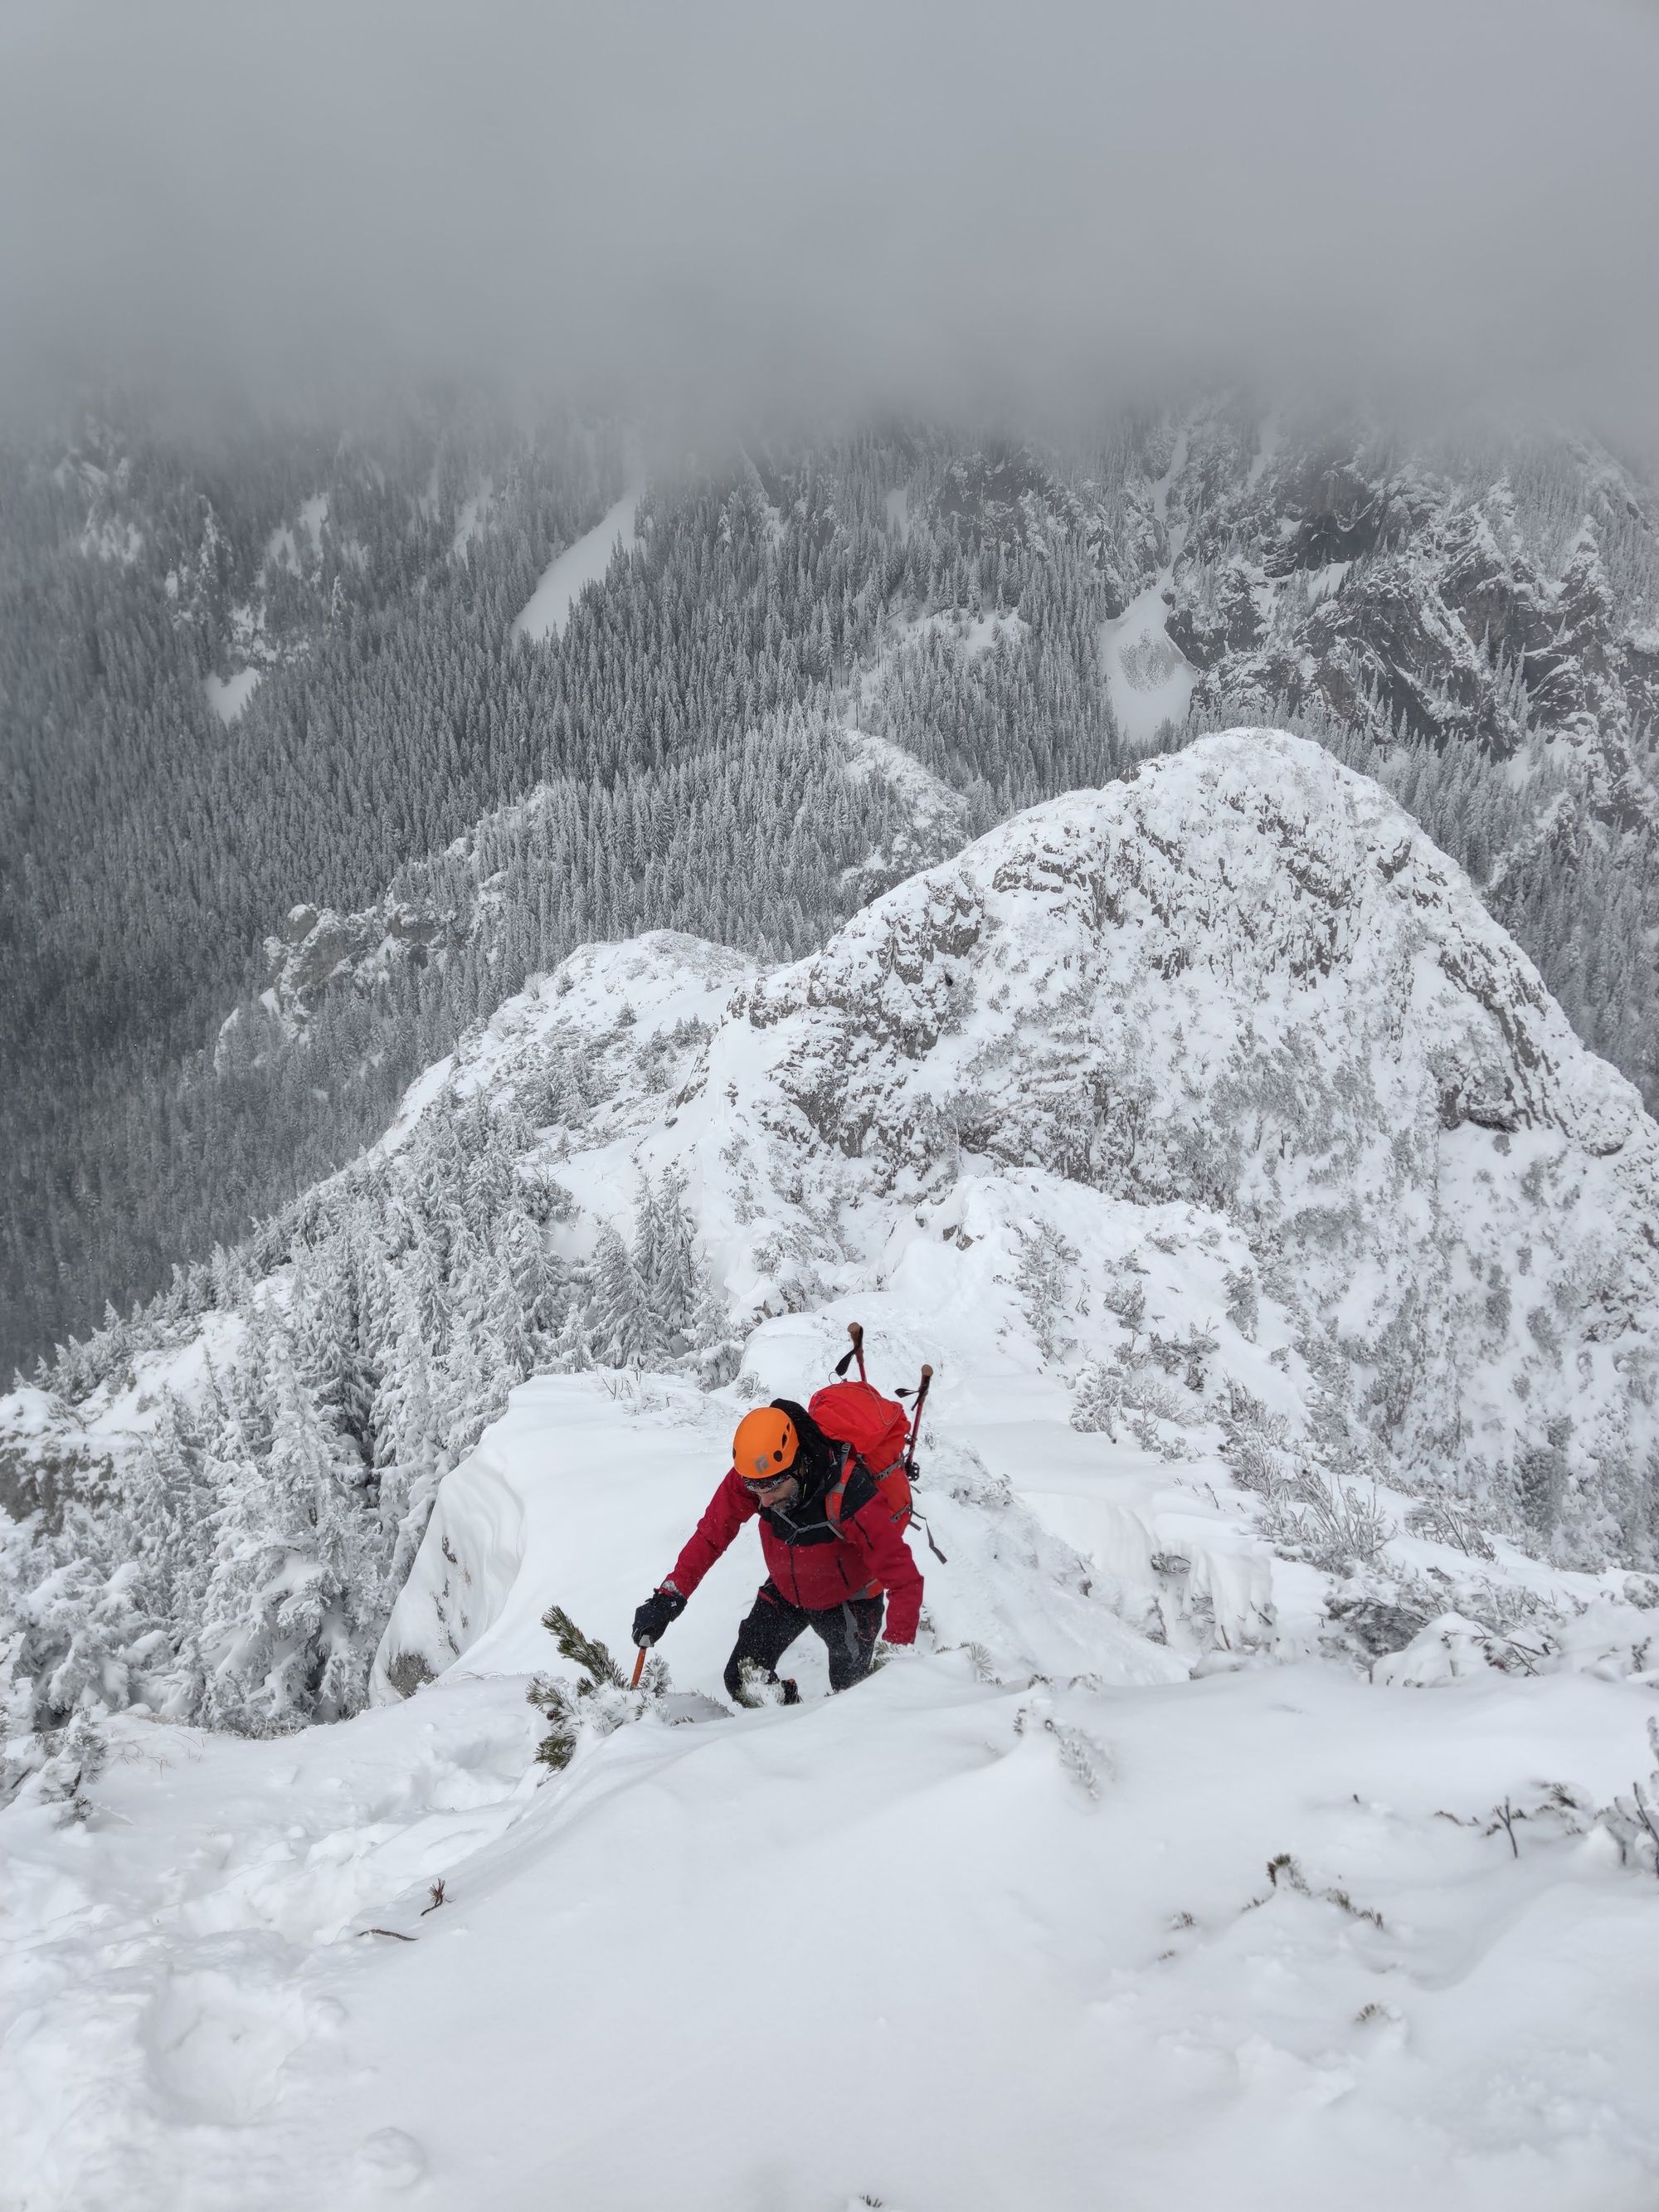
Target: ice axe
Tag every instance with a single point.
(639, 1666)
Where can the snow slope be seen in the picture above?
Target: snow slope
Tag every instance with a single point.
(580, 565)
(1149, 678)
(1187, 1856)
(228, 696)
(1028, 1924)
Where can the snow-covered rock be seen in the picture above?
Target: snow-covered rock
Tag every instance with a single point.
(322, 953)
(1240, 979)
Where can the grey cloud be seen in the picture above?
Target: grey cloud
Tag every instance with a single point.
(722, 204)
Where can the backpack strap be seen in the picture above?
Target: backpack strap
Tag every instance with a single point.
(835, 1508)
(928, 1534)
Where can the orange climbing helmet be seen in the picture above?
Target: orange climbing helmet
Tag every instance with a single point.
(764, 1446)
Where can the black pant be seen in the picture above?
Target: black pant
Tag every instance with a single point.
(847, 1632)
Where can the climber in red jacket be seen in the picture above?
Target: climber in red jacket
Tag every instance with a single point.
(832, 1548)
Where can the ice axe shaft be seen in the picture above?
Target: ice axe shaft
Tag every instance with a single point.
(639, 1666)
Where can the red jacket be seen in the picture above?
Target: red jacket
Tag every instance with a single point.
(809, 1562)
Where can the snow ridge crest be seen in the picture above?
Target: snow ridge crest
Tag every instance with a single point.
(1241, 978)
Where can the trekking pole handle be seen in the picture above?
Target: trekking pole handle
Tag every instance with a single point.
(915, 1416)
(856, 1330)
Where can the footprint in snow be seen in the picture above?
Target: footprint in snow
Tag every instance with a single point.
(392, 2158)
(217, 2041)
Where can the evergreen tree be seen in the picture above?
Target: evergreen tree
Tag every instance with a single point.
(622, 1320)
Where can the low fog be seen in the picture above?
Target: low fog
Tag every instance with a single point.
(721, 208)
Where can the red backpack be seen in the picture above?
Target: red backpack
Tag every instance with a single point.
(877, 1429)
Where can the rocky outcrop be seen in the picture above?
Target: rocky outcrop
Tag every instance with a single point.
(1243, 979)
(321, 952)
(1410, 597)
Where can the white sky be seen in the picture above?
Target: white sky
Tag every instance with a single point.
(855, 203)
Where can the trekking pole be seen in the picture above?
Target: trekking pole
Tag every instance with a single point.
(856, 1330)
(915, 1420)
(910, 1455)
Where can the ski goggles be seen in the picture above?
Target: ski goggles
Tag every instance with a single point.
(758, 1485)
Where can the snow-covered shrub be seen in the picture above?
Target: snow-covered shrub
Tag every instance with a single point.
(1254, 1442)
(1454, 1521)
(1097, 1399)
(1187, 1356)
(77, 1756)
(1308, 1509)
(1333, 1525)
(1633, 1820)
(1128, 1389)
(1044, 1263)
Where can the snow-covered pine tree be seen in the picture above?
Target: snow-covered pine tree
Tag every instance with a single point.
(571, 1351)
(409, 1458)
(678, 1283)
(530, 1277)
(620, 1319)
(648, 1257)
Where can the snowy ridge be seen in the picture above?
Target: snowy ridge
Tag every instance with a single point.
(1244, 979)
(1247, 1824)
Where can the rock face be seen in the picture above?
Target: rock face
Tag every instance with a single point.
(1405, 596)
(1244, 979)
(321, 953)
(1488, 596)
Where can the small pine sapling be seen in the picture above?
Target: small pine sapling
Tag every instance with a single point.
(602, 1700)
(1083, 1761)
(1243, 1303)
(584, 1651)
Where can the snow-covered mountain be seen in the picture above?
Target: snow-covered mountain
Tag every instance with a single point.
(1215, 1094)
(1264, 1801)
(1242, 982)
(862, 650)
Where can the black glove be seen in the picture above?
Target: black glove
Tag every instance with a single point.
(654, 1616)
